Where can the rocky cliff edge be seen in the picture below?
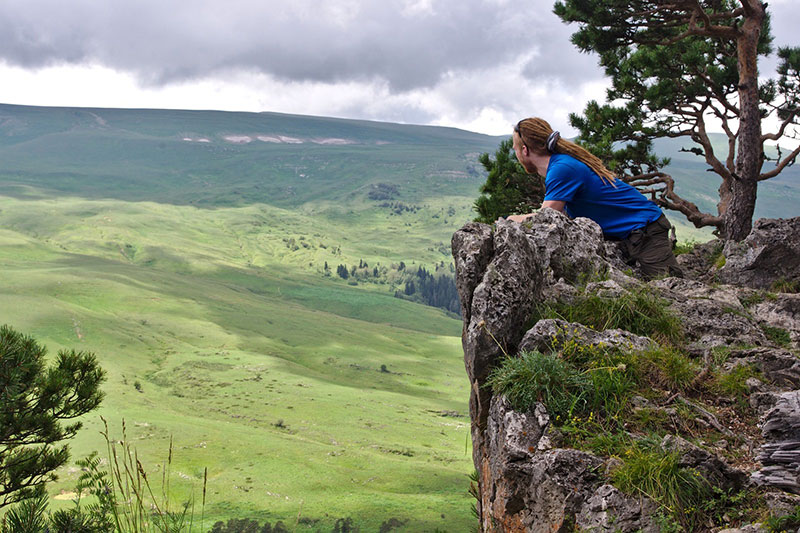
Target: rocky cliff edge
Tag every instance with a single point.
(718, 402)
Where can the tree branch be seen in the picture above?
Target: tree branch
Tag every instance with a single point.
(780, 166)
(667, 198)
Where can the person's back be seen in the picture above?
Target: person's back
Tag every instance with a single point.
(578, 183)
(617, 207)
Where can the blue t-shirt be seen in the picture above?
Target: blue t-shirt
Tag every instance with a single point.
(618, 209)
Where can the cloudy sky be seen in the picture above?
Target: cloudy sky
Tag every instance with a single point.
(480, 65)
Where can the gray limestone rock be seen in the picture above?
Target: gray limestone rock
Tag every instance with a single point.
(714, 316)
(699, 263)
(548, 334)
(609, 510)
(782, 311)
(570, 249)
(770, 253)
(780, 455)
(749, 528)
(781, 503)
(472, 251)
(534, 488)
(514, 436)
(761, 402)
(716, 471)
(781, 367)
(527, 483)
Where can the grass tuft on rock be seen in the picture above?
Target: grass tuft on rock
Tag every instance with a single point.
(536, 377)
(647, 470)
(639, 311)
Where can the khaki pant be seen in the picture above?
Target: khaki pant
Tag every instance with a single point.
(651, 247)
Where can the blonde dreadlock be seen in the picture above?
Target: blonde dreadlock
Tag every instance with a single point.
(537, 135)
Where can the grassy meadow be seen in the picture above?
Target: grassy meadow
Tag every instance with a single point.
(187, 250)
(268, 375)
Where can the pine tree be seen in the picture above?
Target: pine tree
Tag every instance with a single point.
(38, 408)
(677, 68)
(508, 189)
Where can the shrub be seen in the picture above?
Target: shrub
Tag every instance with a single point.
(535, 377)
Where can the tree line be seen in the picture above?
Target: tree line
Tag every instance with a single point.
(414, 283)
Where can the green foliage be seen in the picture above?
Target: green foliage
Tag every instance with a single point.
(535, 377)
(508, 189)
(732, 384)
(735, 507)
(684, 247)
(667, 367)
(38, 406)
(649, 471)
(777, 335)
(753, 298)
(28, 516)
(783, 285)
(663, 80)
(124, 497)
(784, 523)
(639, 311)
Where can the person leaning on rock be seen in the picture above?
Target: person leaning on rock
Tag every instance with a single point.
(577, 182)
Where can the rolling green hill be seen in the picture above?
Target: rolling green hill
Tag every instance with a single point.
(187, 249)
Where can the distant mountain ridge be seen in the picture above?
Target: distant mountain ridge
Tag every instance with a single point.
(210, 158)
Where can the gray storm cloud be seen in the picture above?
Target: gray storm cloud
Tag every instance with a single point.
(408, 44)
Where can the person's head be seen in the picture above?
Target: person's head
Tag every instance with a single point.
(534, 139)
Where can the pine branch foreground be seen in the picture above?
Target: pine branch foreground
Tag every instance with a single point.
(39, 405)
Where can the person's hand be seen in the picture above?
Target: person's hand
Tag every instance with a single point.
(519, 218)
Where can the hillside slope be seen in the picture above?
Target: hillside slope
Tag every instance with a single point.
(188, 250)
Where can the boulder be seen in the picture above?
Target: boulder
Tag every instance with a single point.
(609, 510)
(780, 366)
(780, 454)
(534, 488)
(549, 334)
(570, 249)
(781, 311)
(527, 481)
(770, 253)
(714, 316)
(698, 264)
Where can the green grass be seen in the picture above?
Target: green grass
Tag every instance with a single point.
(224, 347)
(535, 377)
(777, 335)
(639, 311)
(649, 471)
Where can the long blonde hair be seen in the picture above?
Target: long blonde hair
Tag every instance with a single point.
(536, 134)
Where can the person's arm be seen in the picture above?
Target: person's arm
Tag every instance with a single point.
(554, 204)
(518, 218)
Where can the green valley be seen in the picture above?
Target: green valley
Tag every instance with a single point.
(187, 249)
